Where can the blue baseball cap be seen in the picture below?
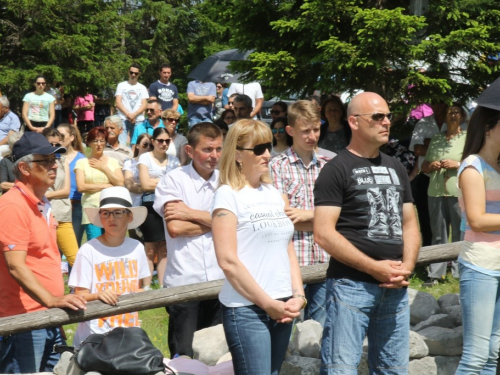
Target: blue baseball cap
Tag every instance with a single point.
(34, 143)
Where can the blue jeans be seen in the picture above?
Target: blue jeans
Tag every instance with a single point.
(480, 301)
(76, 218)
(195, 120)
(357, 309)
(316, 302)
(128, 128)
(257, 343)
(30, 352)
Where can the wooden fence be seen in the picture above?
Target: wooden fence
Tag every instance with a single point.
(170, 296)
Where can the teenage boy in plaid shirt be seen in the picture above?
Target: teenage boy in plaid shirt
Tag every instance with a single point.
(294, 173)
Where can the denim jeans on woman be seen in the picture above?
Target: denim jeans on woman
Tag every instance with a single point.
(480, 301)
(30, 352)
(257, 343)
(357, 309)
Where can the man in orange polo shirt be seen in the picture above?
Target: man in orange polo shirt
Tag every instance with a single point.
(30, 273)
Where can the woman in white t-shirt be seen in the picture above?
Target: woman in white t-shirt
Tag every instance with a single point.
(252, 234)
(152, 167)
(38, 107)
(112, 264)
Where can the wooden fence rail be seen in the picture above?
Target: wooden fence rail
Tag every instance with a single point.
(171, 296)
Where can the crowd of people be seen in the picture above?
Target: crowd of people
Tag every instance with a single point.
(237, 199)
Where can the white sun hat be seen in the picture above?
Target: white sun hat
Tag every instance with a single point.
(117, 197)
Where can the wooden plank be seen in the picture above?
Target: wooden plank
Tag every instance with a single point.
(171, 296)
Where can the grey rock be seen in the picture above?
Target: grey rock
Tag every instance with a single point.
(308, 366)
(442, 341)
(363, 368)
(209, 345)
(459, 329)
(447, 365)
(226, 357)
(455, 312)
(438, 320)
(307, 339)
(288, 368)
(66, 365)
(424, 366)
(448, 300)
(418, 347)
(422, 306)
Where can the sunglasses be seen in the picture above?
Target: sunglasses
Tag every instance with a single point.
(133, 73)
(41, 83)
(45, 162)
(219, 87)
(278, 131)
(259, 149)
(150, 110)
(170, 119)
(146, 145)
(377, 116)
(275, 112)
(162, 141)
(56, 144)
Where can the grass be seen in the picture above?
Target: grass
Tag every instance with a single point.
(449, 284)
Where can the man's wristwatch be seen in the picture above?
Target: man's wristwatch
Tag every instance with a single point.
(303, 297)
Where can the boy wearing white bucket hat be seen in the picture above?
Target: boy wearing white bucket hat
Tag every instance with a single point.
(112, 264)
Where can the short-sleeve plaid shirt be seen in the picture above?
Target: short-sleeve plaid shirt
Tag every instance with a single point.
(292, 177)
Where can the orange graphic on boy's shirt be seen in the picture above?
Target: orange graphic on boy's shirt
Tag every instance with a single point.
(120, 276)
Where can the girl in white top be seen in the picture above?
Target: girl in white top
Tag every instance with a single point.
(153, 166)
(252, 235)
(38, 107)
(131, 170)
(171, 120)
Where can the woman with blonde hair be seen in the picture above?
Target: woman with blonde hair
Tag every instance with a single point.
(171, 120)
(252, 234)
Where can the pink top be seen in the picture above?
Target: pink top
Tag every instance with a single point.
(88, 114)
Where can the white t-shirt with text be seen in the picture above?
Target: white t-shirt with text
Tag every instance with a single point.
(97, 268)
(263, 234)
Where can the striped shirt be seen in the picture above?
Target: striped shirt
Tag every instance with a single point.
(481, 250)
(292, 177)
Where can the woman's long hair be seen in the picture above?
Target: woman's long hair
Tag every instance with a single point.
(483, 119)
(243, 133)
(77, 143)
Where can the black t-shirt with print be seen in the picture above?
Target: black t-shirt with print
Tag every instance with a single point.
(371, 193)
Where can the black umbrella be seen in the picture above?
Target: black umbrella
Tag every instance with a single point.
(216, 67)
(490, 98)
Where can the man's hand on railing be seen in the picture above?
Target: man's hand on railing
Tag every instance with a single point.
(70, 301)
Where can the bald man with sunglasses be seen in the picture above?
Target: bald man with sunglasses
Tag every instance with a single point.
(374, 244)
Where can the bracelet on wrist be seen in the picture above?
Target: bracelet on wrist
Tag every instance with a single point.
(303, 297)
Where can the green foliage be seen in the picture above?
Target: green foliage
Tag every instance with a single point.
(338, 46)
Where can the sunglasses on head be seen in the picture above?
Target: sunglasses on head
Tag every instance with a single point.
(171, 119)
(166, 141)
(133, 73)
(377, 116)
(258, 149)
(278, 131)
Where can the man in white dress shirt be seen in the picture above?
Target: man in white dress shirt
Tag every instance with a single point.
(183, 197)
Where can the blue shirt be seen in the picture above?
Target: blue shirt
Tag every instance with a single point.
(165, 93)
(144, 127)
(74, 194)
(9, 122)
(201, 111)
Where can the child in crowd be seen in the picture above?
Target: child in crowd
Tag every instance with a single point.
(112, 264)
